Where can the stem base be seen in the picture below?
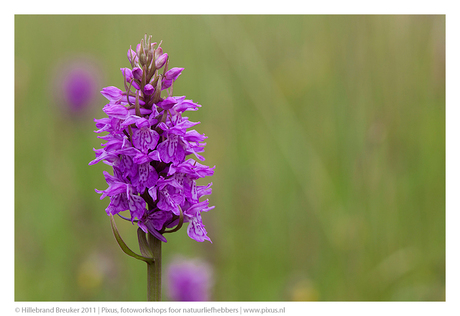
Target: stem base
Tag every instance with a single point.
(154, 270)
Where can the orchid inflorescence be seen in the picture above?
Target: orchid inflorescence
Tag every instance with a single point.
(147, 144)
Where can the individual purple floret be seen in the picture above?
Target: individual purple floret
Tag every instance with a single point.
(147, 145)
(189, 280)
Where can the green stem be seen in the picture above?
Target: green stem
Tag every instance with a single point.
(154, 270)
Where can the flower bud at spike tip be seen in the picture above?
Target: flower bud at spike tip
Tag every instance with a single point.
(158, 52)
(160, 61)
(132, 56)
(173, 73)
(149, 89)
(127, 73)
(137, 73)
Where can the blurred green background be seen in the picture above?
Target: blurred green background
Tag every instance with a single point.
(328, 136)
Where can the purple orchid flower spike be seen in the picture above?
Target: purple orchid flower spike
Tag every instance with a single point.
(147, 145)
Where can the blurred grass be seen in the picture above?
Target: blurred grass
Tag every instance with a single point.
(328, 136)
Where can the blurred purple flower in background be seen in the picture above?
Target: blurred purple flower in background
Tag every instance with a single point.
(189, 280)
(76, 84)
(79, 88)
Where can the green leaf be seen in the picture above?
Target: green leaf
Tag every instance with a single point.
(143, 244)
(123, 245)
